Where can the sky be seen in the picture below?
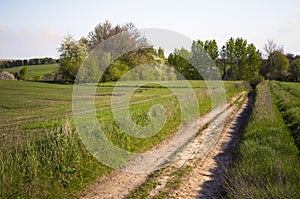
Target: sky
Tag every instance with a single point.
(35, 28)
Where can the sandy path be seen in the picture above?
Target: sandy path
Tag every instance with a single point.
(119, 184)
(207, 174)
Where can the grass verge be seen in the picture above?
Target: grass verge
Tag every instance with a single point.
(267, 160)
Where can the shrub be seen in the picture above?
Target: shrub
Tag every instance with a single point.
(6, 76)
(23, 73)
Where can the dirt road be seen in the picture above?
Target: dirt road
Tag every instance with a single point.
(207, 155)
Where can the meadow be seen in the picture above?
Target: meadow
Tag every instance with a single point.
(41, 153)
(35, 70)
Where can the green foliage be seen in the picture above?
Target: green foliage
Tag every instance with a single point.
(236, 60)
(294, 70)
(211, 48)
(114, 72)
(243, 59)
(180, 61)
(72, 55)
(277, 65)
(23, 73)
(18, 63)
(161, 53)
(267, 160)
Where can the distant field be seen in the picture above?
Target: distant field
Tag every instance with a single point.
(35, 70)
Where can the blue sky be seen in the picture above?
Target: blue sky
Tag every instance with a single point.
(35, 28)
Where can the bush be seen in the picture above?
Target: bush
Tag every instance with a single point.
(37, 78)
(256, 80)
(23, 73)
(6, 76)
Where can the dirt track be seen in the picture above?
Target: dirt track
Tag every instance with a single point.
(204, 153)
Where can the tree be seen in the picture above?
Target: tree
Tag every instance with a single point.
(211, 48)
(161, 53)
(230, 55)
(294, 70)
(72, 55)
(253, 61)
(114, 72)
(278, 66)
(180, 61)
(106, 30)
(271, 47)
(23, 73)
(240, 54)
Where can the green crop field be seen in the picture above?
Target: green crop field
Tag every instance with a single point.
(267, 160)
(42, 155)
(35, 70)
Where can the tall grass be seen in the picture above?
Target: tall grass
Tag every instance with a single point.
(267, 160)
(54, 166)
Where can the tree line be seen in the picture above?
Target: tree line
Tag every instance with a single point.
(27, 62)
(237, 59)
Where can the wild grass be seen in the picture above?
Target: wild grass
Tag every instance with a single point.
(41, 153)
(52, 166)
(267, 160)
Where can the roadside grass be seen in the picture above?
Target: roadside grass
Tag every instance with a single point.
(287, 98)
(39, 158)
(267, 159)
(35, 70)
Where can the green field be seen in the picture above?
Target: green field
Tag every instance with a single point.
(42, 155)
(35, 70)
(267, 159)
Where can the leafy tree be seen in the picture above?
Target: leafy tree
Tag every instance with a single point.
(161, 53)
(211, 48)
(222, 62)
(72, 55)
(278, 65)
(294, 70)
(115, 71)
(23, 73)
(240, 54)
(230, 48)
(253, 61)
(106, 30)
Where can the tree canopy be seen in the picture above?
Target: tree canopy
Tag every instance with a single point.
(237, 59)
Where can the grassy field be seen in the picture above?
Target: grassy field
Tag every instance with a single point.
(35, 70)
(267, 159)
(41, 154)
(287, 98)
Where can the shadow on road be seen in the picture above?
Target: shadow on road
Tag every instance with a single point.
(214, 187)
